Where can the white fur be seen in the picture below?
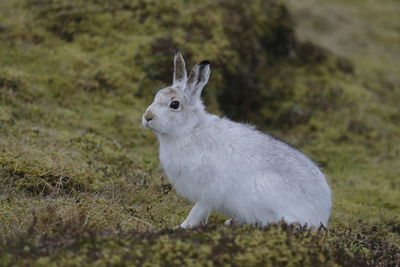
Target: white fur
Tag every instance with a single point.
(231, 167)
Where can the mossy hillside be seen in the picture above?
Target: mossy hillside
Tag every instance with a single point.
(371, 126)
(276, 245)
(75, 77)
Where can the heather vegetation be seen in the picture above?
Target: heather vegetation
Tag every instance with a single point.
(80, 182)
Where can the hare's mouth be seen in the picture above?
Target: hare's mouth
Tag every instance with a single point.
(147, 125)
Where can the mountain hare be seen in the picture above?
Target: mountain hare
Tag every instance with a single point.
(231, 167)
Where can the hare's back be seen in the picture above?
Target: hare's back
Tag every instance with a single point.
(252, 149)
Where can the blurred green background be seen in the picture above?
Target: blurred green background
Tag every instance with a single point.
(80, 182)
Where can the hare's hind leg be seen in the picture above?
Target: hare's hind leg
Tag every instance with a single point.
(231, 221)
(198, 215)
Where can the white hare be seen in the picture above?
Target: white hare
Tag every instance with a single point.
(231, 167)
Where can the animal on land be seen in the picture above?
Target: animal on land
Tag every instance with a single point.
(231, 167)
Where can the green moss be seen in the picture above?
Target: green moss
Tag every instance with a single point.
(80, 180)
(276, 245)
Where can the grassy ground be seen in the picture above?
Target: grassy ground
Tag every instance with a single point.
(80, 180)
(367, 33)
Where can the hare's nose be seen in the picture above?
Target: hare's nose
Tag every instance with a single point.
(148, 116)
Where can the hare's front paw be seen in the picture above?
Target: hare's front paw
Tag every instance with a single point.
(183, 225)
(197, 216)
(186, 225)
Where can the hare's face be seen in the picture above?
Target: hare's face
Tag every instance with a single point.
(177, 109)
(170, 112)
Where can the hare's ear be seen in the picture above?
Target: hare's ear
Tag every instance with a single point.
(198, 78)
(180, 75)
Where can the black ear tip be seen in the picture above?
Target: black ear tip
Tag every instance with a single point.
(177, 51)
(205, 62)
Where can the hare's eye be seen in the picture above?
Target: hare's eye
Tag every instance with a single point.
(174, 105)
